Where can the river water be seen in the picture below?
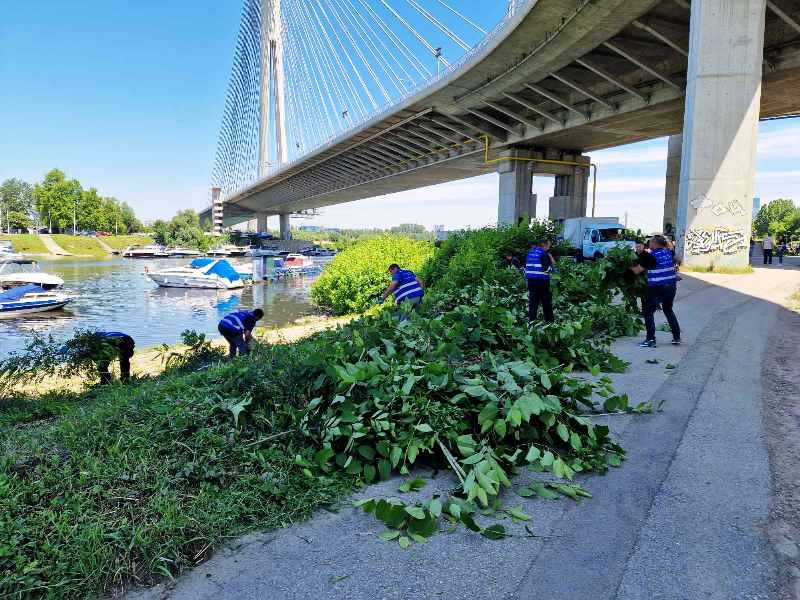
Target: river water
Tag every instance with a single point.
(115, 295)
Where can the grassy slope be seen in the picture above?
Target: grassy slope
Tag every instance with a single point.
(80, 245)
(120, 242)
(26, 243)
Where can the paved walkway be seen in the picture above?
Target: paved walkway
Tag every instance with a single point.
(104, 246)
(52, 247)
(683, 518)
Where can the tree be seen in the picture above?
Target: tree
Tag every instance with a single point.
(16, 204)
(57, 199)
(776, 217)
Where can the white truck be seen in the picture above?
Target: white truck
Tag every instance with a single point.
(593, 237)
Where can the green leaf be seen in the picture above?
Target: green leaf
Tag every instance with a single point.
(454, 509)
(410, 381)
(525, 492)
(543, 492)
(476, 391)
(389, 535)
(575, 441)
(420, 539)
(369, 473)
(435, 507)
(396, 454)
(500, 428)
(404, 542)
(415, 511)
(545, 379)
(366, 452)
(469, 522)
(412, 485)
(424, 428)
(562, 431)
(547, 459)
(533, 454)
(494, 532)
(384, 469)
(517, 514)
(488, 413)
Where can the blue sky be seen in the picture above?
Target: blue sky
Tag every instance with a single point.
(128, 96)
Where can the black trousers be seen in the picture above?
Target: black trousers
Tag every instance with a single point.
(235, 341)
(125, 345)
(665, 296)
(539, 293)
(768, 256)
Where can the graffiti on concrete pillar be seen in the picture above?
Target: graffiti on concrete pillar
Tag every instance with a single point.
(718, 207)
(718, 239)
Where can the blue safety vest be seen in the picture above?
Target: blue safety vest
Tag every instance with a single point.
(664, 271)
(408, 287)
(238, 322)
(533, 264)
(112, 334)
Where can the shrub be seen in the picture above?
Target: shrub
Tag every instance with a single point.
(357, 275)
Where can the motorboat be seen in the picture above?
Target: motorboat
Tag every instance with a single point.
(183, 253)
(149, 251)
(229, 250)
(298, 261)
(31, 299)
(25, 271)
(204, 273)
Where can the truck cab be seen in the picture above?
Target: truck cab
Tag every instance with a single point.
(593, 237)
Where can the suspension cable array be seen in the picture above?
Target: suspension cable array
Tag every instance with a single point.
(322, 67)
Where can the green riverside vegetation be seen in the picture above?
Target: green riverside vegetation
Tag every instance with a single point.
(128, 484)
(27, 243)
(80, 245)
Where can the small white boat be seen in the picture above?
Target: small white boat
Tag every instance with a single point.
(183, 253)
(31, 299)
(204, 273)
(149, 251)
(298, 261)
(25, 271)
(229, 250)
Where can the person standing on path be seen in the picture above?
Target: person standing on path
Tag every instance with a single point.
(537, 272)
(237, 329)
(406, 287)
(781, 250)
(766, 245)
(662, 278)
(121, 344)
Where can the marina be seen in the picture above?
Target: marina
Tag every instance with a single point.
(116, 292)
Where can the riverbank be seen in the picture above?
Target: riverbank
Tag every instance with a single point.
(69, 246)
(690, 514)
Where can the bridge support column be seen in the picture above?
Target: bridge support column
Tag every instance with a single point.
(570, 194)
(672, 184)
(720, 131)
(286, 227)
(516, 189)
(261, 222)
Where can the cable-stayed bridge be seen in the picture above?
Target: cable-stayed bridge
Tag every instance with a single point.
(337, 100)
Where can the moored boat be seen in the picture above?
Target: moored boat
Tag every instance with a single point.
(31, 299)
(204, 273)
(149, 251)
(25, 271)
(183, 253)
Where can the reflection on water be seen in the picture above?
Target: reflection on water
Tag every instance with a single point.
(114, 294)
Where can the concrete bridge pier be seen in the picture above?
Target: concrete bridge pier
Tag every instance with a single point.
(672, 184)
(516, 188)
(720, 130)
(286, 227)
(570, 193)
(261, 222)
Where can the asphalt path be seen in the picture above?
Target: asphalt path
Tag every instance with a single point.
(683, 518)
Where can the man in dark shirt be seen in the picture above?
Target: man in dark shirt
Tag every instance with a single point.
(121, 344)
(659, 264)
(513, 262)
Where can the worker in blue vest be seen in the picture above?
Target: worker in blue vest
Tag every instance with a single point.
(538, 265)
(405, 286)
(120, 344)
(662, 277)
(237, 329)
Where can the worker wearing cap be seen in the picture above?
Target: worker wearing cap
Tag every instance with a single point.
(538, 265)
(237, 329)
(405, 286)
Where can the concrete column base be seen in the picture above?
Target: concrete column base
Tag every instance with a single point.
(286, 227)
(261, 222)
(673, 181)
(570, 195)
(516, 199)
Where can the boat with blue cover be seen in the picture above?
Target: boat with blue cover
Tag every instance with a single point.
(203, 273)
(31, 299)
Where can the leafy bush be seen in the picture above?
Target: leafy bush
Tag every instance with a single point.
(358, 274)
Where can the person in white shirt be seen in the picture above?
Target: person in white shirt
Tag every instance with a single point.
(766, 244)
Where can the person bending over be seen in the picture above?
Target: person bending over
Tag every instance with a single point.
(237, 329)
(123, 345)
(405, 286)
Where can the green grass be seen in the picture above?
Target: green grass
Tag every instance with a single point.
(26, 243)
(719, 269)
(80, 245)
(120, 242)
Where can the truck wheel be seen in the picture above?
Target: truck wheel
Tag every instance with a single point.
(579, 258)
(598, 255)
